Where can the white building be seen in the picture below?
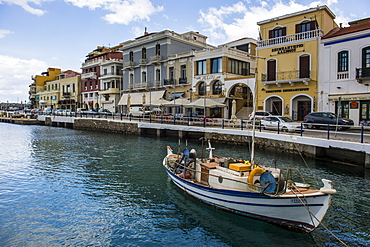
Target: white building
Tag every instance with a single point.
(344, 72)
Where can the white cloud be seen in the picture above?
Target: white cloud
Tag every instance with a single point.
(25, 4)
(16, 77)
(4, 32)
(123, 12)
(220, 28)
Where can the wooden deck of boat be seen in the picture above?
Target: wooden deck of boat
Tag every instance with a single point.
(301, 191)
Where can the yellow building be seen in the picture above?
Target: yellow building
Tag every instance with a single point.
(287, 80)
(49, 97)
(70, 90)
(39, 85)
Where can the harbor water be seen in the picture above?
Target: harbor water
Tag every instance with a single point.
(63, 187)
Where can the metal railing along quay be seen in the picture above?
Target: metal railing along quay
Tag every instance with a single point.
(358, 134)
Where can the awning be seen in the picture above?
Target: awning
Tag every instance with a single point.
(220, 100)
(205, 102)
(349, 97)
(177, 102)
(137, 98)
(176, 95)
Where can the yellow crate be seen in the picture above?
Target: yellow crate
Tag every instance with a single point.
(240, 167)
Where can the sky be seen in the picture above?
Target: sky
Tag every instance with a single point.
(38, 34)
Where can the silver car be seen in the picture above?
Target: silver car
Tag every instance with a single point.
(283, 123)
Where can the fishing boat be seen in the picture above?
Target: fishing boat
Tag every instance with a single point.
(276, 195)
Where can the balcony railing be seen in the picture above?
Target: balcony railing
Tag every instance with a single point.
(111, 74)
(362, 74)
(290, 38)
(128, 65)
(138, 85)
(156, 59)
(66, 95)
(157, 83)
(168, 82)
(142, 61)
(342, 75)
(183, 81)
(287, 77)
(91, 75)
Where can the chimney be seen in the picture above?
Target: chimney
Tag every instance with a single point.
(145, 32)
(340, 25)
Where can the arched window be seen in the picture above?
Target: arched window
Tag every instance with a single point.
(217, 88)
(202, 88)
(304, 66)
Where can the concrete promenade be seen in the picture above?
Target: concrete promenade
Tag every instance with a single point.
(343, 150)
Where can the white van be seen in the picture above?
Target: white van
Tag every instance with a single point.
(137, 111)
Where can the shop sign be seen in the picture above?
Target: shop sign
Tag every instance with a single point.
(354, 105)
(287, 49)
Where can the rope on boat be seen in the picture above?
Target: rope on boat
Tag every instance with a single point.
(312, 215)
(304, 161)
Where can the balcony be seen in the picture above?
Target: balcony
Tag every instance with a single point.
(169, 82)
(111, 74)
(305, 36)
(66, 95)
(183, 81)
(109, 91)
(142, 61)
(141, 85)
(91, 75)
(157, 83)
(290, 77)
(91, 63)
(363, 75)
(129, 65)
(156, 59)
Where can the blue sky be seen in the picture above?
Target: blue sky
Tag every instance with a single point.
(38, 34)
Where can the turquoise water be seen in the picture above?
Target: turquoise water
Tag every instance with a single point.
(62, 187)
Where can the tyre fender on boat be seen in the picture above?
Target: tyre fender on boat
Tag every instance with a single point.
(253, 173)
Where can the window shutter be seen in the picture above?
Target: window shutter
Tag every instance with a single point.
(313, 25)
(271, 34)
(284, 31)
(298, 28)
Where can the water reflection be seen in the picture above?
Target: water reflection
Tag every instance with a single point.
(66, 187)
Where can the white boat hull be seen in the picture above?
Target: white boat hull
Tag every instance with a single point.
(285, 210)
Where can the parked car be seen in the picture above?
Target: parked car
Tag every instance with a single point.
(81, 110)
(325, 118)
(104, 112)
(259, 115)
(91, 112)
(47, 111)
(285, 124)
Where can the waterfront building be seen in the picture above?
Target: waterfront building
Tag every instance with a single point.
(101, 78)
(147, 76)
(345, 71)
(69, 90)
(226, 74)
(38, 87)
(287, 81)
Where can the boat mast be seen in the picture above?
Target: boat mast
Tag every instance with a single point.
(254, 116)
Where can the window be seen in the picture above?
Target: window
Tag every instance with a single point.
(216, 64)
(183, 71)
(157, 49)
(305, 27)
(171, 73)
(143, 76)
(202, 67)
(217, 88)
(238, 67)
(105, 71)
(271, 70)
(304, 66)
(131, 56)
(143, 53)
(277, 32)
(366, 58)
(343, 61)
(157, 74)
(202, 88)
